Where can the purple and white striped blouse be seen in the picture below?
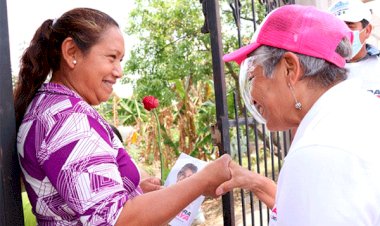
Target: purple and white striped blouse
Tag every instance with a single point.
(75, 169)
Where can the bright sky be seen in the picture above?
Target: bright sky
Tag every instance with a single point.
(25, 16)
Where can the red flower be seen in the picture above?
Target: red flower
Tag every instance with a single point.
(150, 102)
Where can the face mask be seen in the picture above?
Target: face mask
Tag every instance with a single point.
(356, 44)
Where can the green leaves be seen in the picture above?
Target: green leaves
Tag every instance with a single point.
(169, 46)
(130, 112)
(171, 60)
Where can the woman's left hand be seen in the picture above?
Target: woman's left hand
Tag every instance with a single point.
(150, 184)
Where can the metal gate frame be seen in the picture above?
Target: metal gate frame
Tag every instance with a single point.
(11, 212)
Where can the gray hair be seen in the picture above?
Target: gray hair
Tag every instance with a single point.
(318, 70)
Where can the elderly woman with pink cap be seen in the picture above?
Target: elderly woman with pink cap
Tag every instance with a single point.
(292, 75)
(74, 167)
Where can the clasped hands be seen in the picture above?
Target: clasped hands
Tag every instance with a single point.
(240, 177)
(223, 175)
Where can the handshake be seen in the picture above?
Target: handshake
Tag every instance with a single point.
(215, 179)
(223, 175)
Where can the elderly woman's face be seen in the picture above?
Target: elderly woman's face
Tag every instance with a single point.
(96, 72)
(271, 96)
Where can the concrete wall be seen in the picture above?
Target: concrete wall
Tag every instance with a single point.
(320, 4)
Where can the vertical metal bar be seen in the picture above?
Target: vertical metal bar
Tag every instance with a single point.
(286, 143)
(213, 20)
(265, 147)
(265, 157)
(10, 188)
(272, 147)
(237, 13)
(279, 152)
(258, 168)
(251, 200)
(253, 15)
(266, 3)
(238, 136)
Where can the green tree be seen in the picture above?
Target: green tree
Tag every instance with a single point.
(172, 61)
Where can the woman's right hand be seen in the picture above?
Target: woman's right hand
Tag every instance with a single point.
(240, 178)
(215, 173)
(263, 187)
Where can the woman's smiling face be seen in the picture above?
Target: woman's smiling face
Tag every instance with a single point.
(270, 95)
(96, 72)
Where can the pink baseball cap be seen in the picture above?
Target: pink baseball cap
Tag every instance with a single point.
(301, 29)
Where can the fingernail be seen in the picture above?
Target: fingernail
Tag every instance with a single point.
(219, 191)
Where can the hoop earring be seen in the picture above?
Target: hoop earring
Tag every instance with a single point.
(298, 104)
(74, 62)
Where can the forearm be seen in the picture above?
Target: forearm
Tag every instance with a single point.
(158, 207)
(265, 189)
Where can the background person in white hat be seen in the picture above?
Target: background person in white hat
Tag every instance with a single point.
(364, 63)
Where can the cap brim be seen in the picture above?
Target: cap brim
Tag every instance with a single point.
(241, 54)
(351, 18)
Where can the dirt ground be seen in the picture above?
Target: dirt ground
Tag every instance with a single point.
(213, 211)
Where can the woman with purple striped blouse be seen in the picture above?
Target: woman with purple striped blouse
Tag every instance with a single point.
(75, 169)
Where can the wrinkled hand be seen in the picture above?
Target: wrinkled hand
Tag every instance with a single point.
(150, 184)
(240, 178)
(264, 188)
(216, 173)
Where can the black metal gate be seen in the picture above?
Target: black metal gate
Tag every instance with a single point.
(236, 133)
(10, 189)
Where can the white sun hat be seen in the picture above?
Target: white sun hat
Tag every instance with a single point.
(351, 10)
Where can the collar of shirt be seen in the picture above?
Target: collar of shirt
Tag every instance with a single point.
(57, 89)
